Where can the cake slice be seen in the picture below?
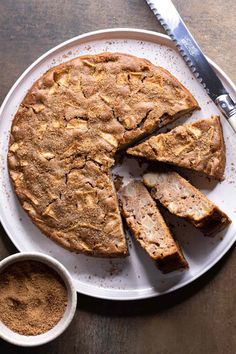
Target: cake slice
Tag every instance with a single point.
(197, 146)
(149, 228)
(184, 200)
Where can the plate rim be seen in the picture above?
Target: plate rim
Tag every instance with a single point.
(106, 293)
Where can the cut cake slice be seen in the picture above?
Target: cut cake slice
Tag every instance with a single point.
(149, 228)
(197, 146)
(184, 200)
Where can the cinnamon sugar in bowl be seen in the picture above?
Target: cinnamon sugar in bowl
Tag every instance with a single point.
(37, 299)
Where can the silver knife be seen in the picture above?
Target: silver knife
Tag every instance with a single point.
(169, 18)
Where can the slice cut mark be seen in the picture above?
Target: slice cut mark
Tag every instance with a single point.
(149, 228)
(184, 200)
(197, 146)
(66, 133)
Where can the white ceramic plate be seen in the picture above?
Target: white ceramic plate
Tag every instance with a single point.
(136, 276)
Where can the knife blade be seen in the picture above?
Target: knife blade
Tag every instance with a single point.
(169, 18)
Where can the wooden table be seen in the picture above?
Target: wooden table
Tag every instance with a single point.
(201, 318)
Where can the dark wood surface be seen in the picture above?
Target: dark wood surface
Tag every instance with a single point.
(201, 318)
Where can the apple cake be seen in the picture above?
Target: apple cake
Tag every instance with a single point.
(184, 200)
(64, 137)
(149, 228)
(197, 146)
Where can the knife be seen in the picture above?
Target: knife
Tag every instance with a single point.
(169, 18)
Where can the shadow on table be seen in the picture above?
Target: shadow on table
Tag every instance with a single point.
(153, 305)
(6, 245)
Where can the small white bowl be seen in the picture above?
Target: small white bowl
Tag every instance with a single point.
(30, 341)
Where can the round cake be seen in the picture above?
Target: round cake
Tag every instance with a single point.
(64, 137)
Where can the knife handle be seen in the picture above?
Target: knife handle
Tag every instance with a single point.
(228, 107)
